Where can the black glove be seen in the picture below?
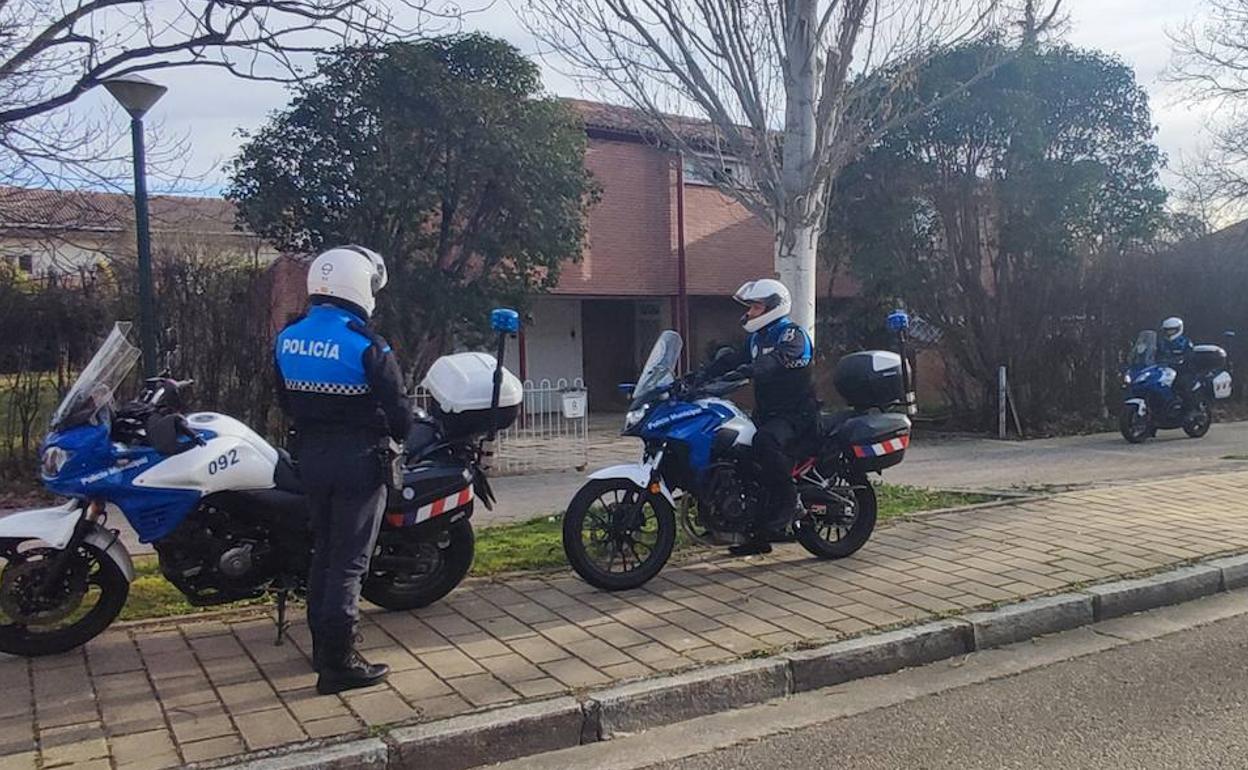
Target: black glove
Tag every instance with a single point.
(742, 372)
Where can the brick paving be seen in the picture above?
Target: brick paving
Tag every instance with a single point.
(196, 691)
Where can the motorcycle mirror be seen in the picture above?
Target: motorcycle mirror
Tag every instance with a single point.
(505, 321)
(724, 352)
(626, 388)
(1228, 334)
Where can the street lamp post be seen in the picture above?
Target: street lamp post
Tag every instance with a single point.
(137, 94)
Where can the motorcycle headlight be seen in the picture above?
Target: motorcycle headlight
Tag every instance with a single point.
(54, 459)
(635, 416)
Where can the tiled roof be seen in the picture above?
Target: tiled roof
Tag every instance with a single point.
(629, 121)
(79, 211)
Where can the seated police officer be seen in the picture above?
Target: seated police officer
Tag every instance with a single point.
(340, 384)
(777, 355)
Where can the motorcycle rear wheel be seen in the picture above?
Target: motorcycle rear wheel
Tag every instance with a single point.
(88, 599)
(828, 535)
(1197, 425)
(449, 559)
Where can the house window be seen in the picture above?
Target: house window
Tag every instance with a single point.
(26, 263)
(716, 170)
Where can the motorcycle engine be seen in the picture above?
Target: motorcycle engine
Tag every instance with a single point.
(726, 502)
(215, 556)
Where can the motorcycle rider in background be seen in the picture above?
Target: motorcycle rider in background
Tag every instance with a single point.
(1173, 349)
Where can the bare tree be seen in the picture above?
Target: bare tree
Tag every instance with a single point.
(52, 52)
(792, 90)
(1210, 58)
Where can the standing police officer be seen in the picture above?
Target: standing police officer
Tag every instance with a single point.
(339, 382)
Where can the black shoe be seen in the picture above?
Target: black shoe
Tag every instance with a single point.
(752, 547)
(351, 673)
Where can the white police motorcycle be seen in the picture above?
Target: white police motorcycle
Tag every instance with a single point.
(223, 508)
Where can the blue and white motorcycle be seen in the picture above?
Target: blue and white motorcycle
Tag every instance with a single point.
(620, 527)
(1152, 402)
(222, 507)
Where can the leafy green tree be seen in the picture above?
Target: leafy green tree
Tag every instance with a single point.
(442, 155)
(1006, 216)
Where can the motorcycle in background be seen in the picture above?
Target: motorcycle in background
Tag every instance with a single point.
(1151, 401)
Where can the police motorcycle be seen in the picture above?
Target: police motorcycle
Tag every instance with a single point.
(1151, 402)
(223, 508)
(697, 469)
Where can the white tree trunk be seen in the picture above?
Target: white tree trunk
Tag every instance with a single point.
(796, 249)
(797, 231)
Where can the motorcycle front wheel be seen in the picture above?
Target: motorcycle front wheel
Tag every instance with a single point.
(36, 619)
(410, 570)
(1132, 425)
(616, 535)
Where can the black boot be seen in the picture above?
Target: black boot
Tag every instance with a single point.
(756, 545)
(343, 668)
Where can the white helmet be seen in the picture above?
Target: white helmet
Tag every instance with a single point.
(1172, 327)
(351, 273)
(774, 296)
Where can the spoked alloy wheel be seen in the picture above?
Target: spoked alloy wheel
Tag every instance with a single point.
(82, 603)
(617, 536)
(836, 528)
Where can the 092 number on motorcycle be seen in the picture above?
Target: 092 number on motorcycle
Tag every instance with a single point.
(222, 462)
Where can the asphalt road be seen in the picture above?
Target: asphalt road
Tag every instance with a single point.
(1068, 462)
(1166, 689)
(960, 463)
(1178, 702)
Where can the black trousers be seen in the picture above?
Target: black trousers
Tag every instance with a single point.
(774, 443)
(346, 494)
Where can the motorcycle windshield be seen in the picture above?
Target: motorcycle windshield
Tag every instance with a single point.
(93, 390)
(660, 368)
(1144, 352)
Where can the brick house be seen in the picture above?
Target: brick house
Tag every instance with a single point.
(662, 238)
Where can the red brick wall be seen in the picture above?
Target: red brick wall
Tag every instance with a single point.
(630, 247)
(725, 244)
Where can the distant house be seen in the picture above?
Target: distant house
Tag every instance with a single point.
(48, 232)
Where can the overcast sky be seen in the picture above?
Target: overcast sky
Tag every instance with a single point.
(209, 108)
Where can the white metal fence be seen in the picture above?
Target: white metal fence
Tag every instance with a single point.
(551, 433)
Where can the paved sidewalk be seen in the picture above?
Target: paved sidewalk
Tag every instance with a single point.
(141, 697)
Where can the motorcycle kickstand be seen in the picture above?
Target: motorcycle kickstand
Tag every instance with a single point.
(283, 625)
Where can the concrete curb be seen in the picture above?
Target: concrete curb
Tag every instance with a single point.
(511, 732)
(634, 707)
(355, 755)
(1035, 617)
(877, 654)
(1124, 597)
(489, 736)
